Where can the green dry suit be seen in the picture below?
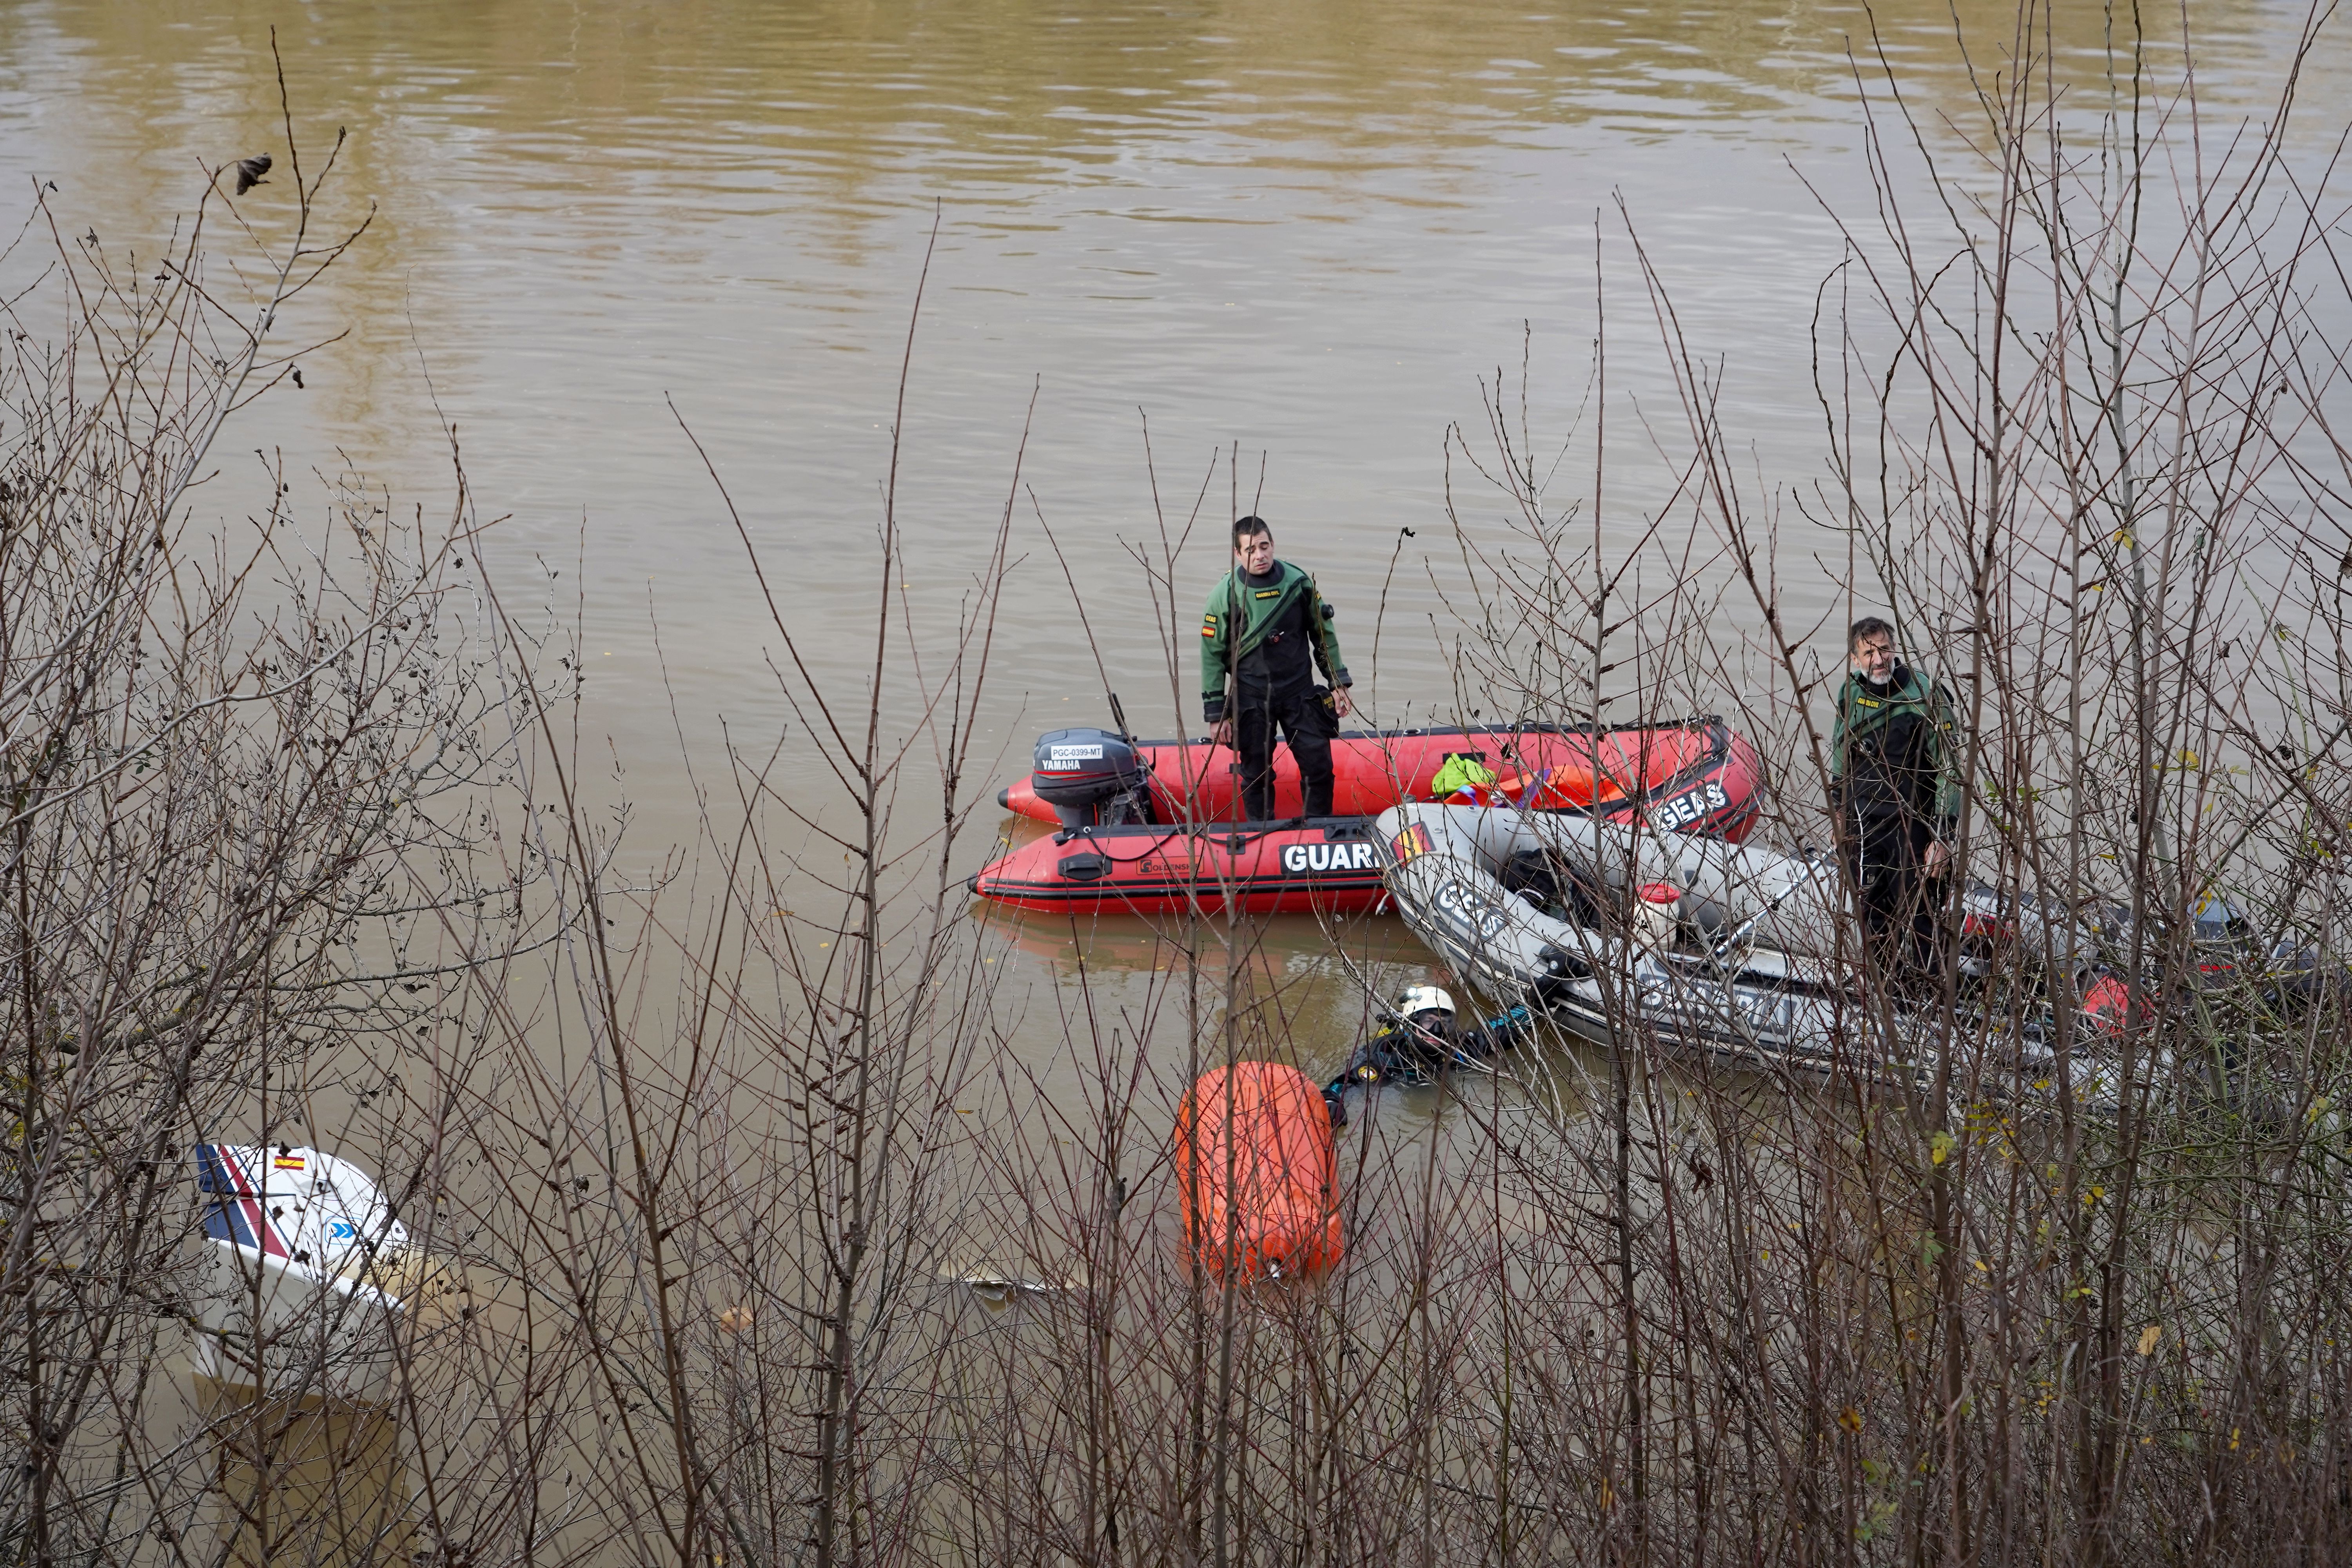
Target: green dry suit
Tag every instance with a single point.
(1283, 633)
(1891, 752)
(1896, 781)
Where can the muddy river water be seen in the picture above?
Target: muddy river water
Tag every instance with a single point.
(1304, 231)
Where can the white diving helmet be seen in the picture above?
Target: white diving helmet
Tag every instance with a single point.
(1420, 999)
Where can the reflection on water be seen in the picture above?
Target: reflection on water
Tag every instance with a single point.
(1309, 991)
(1314, 984)
(308, 1480)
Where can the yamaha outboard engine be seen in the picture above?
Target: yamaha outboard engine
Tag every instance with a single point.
(1092, 778)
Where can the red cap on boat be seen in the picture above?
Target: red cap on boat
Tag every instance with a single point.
(1658, 892)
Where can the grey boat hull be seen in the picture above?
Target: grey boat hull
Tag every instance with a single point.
(1748, 969)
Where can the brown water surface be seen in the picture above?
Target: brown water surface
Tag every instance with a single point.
(1307, 229)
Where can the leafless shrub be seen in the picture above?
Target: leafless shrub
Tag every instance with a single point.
(718, 1265)
(2083, 448)
(229, 764)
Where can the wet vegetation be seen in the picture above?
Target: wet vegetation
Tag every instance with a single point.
(740, 1234)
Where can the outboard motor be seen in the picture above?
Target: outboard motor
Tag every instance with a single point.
(1092, 778)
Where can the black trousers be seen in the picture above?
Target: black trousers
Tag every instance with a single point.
(1885, 862)
(1307, 724)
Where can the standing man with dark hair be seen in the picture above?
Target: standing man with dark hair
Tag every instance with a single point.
(1263, 635)
(1898, 793)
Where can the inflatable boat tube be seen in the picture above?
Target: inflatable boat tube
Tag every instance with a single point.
(1567, 767)
(1701, 945)
(1313, 865)
(1698, 778)
(1255, 1171)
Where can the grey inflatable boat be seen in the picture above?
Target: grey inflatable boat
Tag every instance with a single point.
(1703, 946)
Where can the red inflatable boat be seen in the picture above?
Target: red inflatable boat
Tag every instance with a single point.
(1698, 777)
(1198, 781)
(1255, 1171)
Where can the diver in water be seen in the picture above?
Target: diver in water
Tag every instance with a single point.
(1421, 1040)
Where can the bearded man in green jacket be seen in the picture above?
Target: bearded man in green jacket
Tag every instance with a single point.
(1264, 633)
(1895, 781)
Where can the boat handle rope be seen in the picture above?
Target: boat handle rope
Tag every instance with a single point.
(1234, 843)
(1100, 848)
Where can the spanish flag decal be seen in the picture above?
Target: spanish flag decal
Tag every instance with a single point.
(287, 1161)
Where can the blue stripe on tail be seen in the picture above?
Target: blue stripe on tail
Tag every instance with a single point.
(223, 1217)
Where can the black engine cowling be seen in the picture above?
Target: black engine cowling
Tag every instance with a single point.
(1092, 778)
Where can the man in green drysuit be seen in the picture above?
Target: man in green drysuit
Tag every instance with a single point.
(1895, 781)
(1264, 634)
